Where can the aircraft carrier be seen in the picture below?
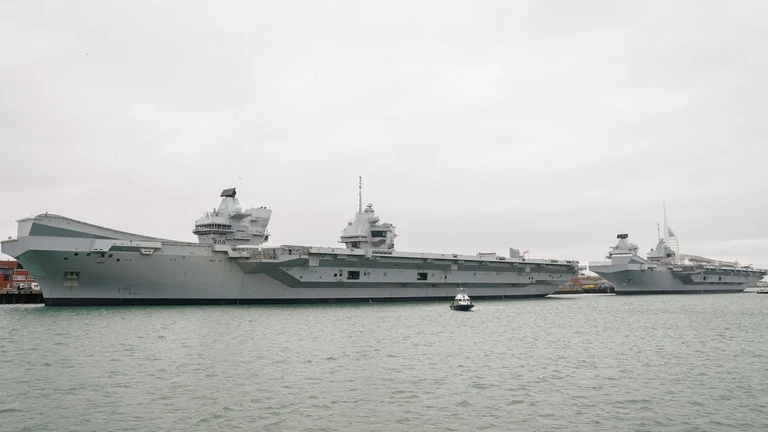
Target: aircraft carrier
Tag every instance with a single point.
(666, 271)
(78, 263)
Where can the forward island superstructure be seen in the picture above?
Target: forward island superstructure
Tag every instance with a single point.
(666, 271)
(77, 263)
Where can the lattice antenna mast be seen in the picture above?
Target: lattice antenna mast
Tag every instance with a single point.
(360, 194)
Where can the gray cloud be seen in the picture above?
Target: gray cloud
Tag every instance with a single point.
(549, 126)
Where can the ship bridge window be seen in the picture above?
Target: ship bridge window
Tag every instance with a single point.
(353, 274)
(379, 234)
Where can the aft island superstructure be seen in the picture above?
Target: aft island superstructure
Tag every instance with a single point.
(666, 271)
(77, 263)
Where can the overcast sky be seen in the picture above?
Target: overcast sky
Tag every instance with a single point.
(476, 125)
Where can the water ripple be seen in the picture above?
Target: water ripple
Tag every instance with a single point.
(577, 363)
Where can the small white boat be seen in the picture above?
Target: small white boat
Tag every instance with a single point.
(762, 291)
(462, 302)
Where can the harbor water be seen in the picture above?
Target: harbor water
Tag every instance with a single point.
(565, 362)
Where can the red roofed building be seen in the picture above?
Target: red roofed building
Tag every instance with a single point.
(14, 277)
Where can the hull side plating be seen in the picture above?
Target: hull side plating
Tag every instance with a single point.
(663, 281)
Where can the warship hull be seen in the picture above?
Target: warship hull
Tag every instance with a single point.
(666, 282)
(76, 263)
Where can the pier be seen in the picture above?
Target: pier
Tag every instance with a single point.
(26, 296)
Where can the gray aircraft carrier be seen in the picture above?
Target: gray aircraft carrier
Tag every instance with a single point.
(665, 271)
(77, 263)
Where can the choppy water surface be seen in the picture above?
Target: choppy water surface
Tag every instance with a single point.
(576, 363)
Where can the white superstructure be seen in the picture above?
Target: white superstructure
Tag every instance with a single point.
(366, 231)
(230, 224)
